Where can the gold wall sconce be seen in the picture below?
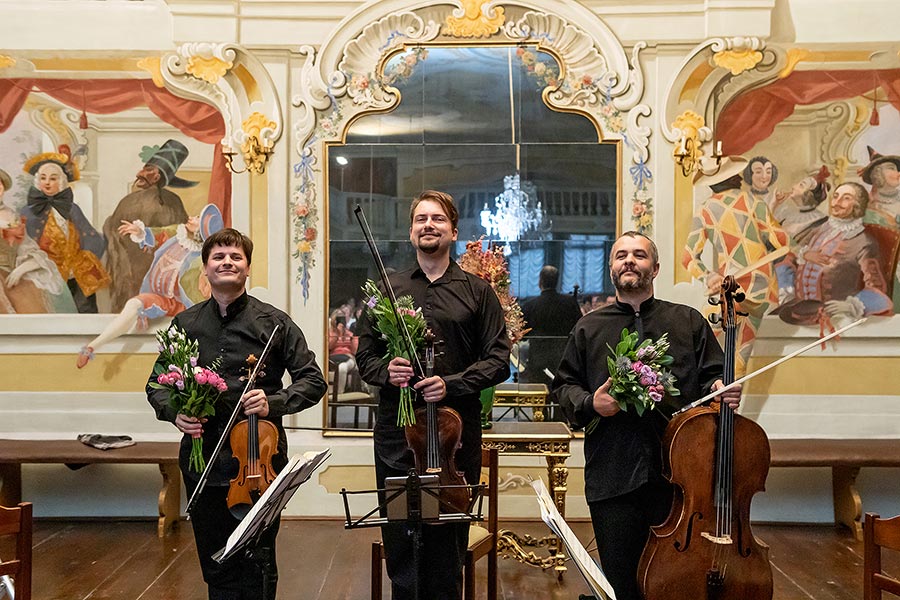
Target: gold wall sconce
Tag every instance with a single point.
(254, 153)
(689, 157)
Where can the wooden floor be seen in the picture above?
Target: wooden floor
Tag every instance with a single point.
(319, 560)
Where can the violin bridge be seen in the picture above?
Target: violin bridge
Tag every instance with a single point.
(716, 539)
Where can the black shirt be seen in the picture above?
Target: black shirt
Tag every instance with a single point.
(551, 316)
(471, 354)
(243, 331)
(624, 451)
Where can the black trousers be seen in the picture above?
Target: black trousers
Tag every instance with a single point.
(240, 577)
(622, 526)
(83, 304)
(442, 551)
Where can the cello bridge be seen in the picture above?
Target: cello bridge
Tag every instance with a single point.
(716, 539)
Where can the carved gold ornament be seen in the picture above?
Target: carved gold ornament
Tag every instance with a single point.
(6, 61)
(209, 69)
(687, 152)
(737, 61)
(476, 19)
(254, 149)
(151, 64)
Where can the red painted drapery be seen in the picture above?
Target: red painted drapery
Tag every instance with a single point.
(105, 96)
(752, 116)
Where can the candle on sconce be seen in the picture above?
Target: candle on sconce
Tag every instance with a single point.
(719, 148)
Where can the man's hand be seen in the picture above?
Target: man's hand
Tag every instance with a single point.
(433, 388)
(714, 283)
(604, 404)
(732, 397)
(845, 308)
(400, 371)
(256, 403)
(192, 426)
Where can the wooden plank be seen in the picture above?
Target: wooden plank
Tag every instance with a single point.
(74, 452)
(829, 453)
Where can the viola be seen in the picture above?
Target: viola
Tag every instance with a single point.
(434, 439)
(717, 460)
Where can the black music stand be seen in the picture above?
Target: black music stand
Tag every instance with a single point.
(415, 500)
(264, 513)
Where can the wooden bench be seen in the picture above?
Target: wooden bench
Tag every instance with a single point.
(15, 453)
(845, 457)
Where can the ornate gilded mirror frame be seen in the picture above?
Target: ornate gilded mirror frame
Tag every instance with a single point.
(344, 81)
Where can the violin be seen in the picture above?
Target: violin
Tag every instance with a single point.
(253, 443)
(717, 461)
(434, 439)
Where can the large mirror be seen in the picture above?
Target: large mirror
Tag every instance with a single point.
(470, 120)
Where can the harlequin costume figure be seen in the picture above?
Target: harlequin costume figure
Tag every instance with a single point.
(61, 230)
(741, 230)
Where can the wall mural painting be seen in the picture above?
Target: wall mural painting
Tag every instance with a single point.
(109, 185)
(804, 203)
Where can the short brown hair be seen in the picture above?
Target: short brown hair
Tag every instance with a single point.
(654, 251)
(442, 198)
(227, 237)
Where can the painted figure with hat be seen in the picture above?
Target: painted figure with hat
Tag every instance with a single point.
(839, 272)
(175, 280)
(150, 202)
(741, 232)
(883, 174)
(61, 230)
(29, 281)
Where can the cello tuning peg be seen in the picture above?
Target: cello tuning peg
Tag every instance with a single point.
(742, 314)
(713, 300)
(715, 319)
(739, 296)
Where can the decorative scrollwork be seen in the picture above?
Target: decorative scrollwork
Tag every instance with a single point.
(476, 18)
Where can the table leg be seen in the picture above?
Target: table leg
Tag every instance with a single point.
(10, 484)
(169, 498)
(847, 503)
(558, 474)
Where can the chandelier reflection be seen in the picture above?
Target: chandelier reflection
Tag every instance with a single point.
(518, 213)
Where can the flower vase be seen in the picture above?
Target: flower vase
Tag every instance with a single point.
(487, 406)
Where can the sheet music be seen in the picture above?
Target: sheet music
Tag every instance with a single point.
(298, 471)
(594, 577)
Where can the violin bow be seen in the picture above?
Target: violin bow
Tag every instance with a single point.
(772, 365)
(251, 381)
(392, 297)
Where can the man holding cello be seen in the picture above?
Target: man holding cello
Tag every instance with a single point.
(472, 354)
(234, 328)
(624, 483)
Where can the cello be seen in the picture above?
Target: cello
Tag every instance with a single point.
(717, 460)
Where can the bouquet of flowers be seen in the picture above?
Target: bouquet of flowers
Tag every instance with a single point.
(638, 375)
(491, 266)
(193, 390)
(384, 320)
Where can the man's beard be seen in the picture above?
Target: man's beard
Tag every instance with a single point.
(642, 283)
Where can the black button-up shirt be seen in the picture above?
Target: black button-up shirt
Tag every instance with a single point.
(624, 452)
(471, 354)
(243, 331)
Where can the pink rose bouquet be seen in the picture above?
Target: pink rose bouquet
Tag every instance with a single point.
(193, 390)
(639, 376)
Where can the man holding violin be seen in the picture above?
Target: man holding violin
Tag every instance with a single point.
(624, 484)
(234, 327)
(472, 353)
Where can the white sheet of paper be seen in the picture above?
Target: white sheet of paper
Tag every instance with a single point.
(307, 463)
(592, 573)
